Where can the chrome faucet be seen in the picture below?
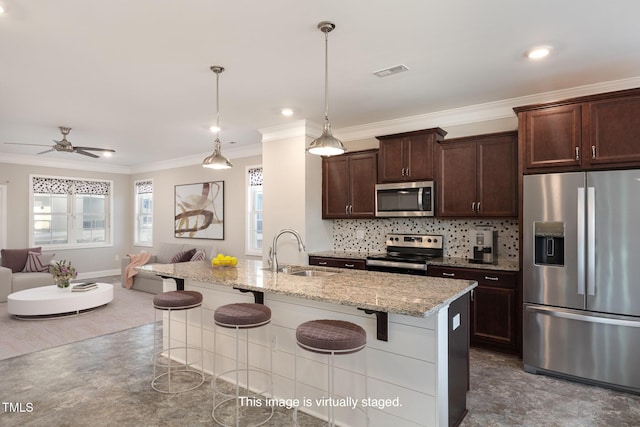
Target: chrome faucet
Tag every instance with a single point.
(273, 251)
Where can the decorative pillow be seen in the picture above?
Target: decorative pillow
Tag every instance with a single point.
(16, 259)
(37, 262)
(183, 256)
(198, 256)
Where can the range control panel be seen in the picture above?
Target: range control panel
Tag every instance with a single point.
(431, 241)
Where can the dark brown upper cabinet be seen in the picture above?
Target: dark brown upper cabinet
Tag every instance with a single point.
(348, 185)
(408, 156)
(594, 132)
(477, 176)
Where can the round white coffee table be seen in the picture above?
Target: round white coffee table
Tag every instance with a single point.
(50, 301)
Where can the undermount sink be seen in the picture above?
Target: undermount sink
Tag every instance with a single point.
(312, 273)
(305, 271)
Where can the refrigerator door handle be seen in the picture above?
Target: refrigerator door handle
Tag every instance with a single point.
(591, 241)
(568, 314)
(581, 242)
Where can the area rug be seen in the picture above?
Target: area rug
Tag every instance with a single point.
(129, 309)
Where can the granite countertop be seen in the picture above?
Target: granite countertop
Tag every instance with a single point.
(417, 296)
(505, 264)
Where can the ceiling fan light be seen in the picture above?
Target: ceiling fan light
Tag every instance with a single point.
(326, 144)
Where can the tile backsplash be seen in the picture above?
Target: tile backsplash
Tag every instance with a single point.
(368, 235)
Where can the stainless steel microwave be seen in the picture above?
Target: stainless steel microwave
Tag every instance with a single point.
(405, 199)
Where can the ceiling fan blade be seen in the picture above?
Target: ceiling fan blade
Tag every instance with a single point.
(95, 149)
(35, 145)
(47, 151)
(84, 153)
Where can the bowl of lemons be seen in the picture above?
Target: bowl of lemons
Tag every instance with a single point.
(222, 260)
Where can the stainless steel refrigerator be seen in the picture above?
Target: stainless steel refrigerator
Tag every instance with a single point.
(581, 272)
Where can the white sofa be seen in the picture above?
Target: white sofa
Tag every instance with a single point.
(148, 282)
(13, 282)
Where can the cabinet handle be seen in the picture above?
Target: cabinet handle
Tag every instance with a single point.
(346, 210)
(449, 274)
(491, 278)
(473, 207)
(322, 262)
(593, 151)
(404, 172)
(408, 172)
(472, 295)
(350, 210)
(349, 265)
(478, 208)
(577, 153)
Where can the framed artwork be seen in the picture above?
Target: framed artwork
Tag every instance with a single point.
(199, 210)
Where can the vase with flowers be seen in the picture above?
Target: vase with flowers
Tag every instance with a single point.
(63, 272)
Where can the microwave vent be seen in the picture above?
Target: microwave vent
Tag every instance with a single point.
(391, 70)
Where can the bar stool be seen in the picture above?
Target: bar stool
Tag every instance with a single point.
(242, 316)
(188, 378)
(330, 337)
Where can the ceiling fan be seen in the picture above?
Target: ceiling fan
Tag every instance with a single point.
(65, 146)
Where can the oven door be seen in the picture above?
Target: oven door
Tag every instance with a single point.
(397, 267)
(405, 199)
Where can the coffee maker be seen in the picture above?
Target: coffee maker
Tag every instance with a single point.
(484, 245)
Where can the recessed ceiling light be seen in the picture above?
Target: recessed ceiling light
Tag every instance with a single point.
(286, 112)
(214, 129)
(107, 154)
(1, 9)
(538, 52)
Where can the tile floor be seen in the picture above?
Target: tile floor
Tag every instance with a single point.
(104, 381)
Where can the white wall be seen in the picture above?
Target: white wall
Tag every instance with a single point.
(234, 203)
(293, 195)
(16, 179)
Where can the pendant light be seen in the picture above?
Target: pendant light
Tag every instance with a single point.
(216, 160)
(326, 144)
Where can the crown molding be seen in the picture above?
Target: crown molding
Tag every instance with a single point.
(477, 113)
(196, 159)
(21, 159)
(305, 128)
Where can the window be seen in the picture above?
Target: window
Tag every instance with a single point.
(143, 233)
(70, 212)
(254, 211)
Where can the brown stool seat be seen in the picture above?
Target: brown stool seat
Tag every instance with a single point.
(326, 336)
(176, 300)
(242, 315)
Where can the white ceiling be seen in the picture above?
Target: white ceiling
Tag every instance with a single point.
(134, 75)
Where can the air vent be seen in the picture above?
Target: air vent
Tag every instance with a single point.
(391, 70)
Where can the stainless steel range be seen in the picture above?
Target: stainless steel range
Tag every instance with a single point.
(407, 253)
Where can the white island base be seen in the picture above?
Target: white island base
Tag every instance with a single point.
(409, 378)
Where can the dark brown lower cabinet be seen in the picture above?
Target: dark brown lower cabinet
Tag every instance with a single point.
(357, 264)
(495, 307)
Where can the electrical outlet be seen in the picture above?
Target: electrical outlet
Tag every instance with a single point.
(359, 234)
(117, 257)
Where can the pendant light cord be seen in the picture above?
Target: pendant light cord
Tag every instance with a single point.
(326, 75)
(218, 110)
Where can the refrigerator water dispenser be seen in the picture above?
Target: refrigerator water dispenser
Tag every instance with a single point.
(549, 243)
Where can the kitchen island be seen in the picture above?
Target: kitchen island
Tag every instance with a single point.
(410, 374)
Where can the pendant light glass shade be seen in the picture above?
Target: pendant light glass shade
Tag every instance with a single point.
(326, 144)
(216, 160)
